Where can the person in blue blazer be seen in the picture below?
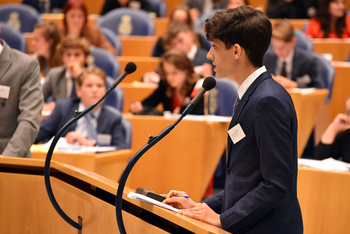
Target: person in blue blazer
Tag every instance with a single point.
(102, 126)
(260, 193)
(291, 66)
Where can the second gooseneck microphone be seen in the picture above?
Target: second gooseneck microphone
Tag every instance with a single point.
(208, 84)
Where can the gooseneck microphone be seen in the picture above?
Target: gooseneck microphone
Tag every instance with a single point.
(129, 68)
(208, 84)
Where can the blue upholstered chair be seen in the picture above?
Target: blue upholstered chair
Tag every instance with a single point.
(112, 38)
(201, 20)
(126, 21)
(327, 72)
(116, 97)
(127, 132)
(303, 41)
(222, 97)
(13, 37)
(105, 60)
(160, 7)
(20, 16)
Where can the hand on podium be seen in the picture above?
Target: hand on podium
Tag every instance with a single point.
(188, 207)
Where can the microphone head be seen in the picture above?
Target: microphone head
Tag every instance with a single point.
(209, 83)
(130, 68)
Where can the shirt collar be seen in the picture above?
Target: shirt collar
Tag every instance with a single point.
(96, 113)
(250, 79)
(192, 52)
(1, 47)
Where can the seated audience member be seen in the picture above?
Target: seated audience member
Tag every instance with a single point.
(291, 67)
(199, 7)
(179, 13)
(46, 6)
(291, 9)
(333, 143)
(231, 4)
(46, 37)
(178, 85)
(331, 21)
(102, 126)
(21, 101)
(136, 4)
(60, 81)
(181, 36)
(75, 25)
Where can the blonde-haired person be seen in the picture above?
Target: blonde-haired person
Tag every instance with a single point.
(292, 67)
(46, 37)
(102, 126)
(60, 81)
(178, 85)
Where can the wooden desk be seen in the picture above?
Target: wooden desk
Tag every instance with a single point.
(144, 64)
(184, 160)
(336, 105)
(79, 193)
(324, 200)
(137, 45)
(135, 92)
(110, 165)
(296, 23)
(307, 107)
(339, 48)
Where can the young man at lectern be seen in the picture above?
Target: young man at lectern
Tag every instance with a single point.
(260, 194)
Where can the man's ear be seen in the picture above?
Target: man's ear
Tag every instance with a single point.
(237, 51)
(77, 90)
(294, 41)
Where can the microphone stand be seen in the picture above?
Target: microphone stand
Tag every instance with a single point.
(77, 116)
(151, 142)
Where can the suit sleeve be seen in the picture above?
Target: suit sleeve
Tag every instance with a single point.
(215, 202)
(315, 76)
(118, 138)
(273, 126)
(47, 88)
(30, 106)
(50, 125)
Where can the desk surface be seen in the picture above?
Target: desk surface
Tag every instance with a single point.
(184, 160)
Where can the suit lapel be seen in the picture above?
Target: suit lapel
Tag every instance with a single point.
(5, 62)
(243, 102)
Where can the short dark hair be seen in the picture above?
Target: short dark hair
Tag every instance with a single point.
(244, 25)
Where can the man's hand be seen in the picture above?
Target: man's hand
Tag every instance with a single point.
(204, 213)
(75, 136)
(75, 68)
(188, 207)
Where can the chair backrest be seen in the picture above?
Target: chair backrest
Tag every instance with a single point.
(13, 37)
(303, 42)
(160, 7)
(203, 39)
(201, 20)
(112, 38)
(22, 17)
(116, 97)
(126, 21)
(327, 72)
(127, 132)
(222, 97)
(105, 60)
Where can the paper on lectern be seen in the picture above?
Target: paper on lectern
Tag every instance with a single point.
(144, 198)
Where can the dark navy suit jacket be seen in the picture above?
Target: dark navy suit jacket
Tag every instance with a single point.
(303, 64)
(109, 122)
(260, 193)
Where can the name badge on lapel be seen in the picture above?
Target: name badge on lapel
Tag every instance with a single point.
(104, 139)
(4, 91)
(236, 133)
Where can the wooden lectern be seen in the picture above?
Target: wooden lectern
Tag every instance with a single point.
(25, 206)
